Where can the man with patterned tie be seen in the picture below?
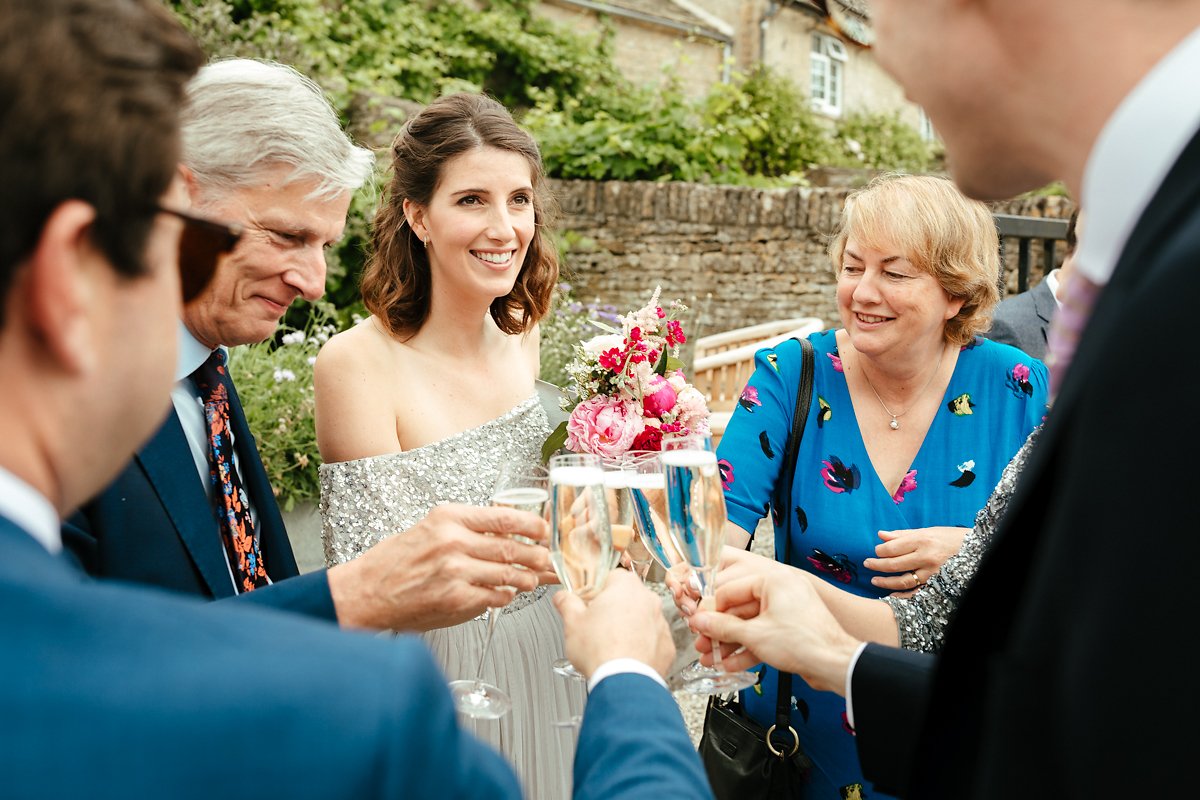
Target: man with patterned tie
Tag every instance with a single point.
(111, 690)
(1063, 672)
(194, 510)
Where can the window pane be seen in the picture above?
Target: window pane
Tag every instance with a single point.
(819, 74)
(835, 85)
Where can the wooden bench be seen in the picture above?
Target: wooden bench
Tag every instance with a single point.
(721, 374)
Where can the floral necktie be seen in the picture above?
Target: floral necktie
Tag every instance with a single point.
(232, 508)
(1080, 295)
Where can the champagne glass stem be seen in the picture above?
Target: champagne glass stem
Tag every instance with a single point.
(708, 599)
(493, 618)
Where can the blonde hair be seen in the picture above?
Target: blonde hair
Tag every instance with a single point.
(939, 231)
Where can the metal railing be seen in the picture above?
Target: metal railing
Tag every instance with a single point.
(1025, 230)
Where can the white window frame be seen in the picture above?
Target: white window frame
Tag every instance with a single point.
(827, 70)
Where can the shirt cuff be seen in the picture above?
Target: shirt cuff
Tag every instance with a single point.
(849, 675)
(620, 666)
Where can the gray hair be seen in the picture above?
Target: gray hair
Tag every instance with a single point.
(245, 117)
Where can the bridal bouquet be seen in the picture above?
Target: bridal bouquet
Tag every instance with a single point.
(626, 388)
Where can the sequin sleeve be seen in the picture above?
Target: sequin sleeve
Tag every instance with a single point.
(922, 618)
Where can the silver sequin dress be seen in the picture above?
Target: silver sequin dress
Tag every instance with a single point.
(922, 618)
(364, 500)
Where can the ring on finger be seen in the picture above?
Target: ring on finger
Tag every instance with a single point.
(916, 580)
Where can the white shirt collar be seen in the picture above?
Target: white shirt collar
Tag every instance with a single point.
(1133, 154)
(28, 509)
(1051, 281)
(191, 354)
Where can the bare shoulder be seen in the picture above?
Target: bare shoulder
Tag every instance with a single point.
(353, 382)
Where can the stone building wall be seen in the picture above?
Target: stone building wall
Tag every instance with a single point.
(648, 54)
(736, 255)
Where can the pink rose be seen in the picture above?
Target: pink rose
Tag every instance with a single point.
(603, 426)
(659, 398)
(1021, 373)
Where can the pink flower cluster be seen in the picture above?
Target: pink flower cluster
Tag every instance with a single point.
(630, 389)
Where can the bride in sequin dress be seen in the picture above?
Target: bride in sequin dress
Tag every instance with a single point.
(424, 401)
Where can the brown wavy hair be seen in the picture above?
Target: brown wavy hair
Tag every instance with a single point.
(396, 282)
(940, 232)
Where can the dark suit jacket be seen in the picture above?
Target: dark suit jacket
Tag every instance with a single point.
(1024, 320)
(1064, 669)
(154, 525)
(119, 691)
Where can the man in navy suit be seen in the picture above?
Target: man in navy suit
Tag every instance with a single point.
(1024, 320)
(1063, 672)
(263, 148)
(111, 690)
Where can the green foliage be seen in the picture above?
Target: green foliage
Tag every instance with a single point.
(781, 131)
(756, 127)
(882, 141)
(275, 384)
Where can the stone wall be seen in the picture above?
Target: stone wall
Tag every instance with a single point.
(736, 255)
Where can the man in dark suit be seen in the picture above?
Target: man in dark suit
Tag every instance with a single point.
(1024, 320)
(263, 148)
(1063, 672)
(111, 690)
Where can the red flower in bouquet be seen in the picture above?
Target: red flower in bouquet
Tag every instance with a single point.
(627, 389)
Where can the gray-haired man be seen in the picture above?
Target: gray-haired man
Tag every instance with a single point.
(194, 510)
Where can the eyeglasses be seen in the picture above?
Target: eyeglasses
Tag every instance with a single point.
(201, 246)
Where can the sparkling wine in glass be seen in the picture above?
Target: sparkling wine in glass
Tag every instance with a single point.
(696, 514)
(617, 480)
(525, 489)
(580, 533)
(648, 493)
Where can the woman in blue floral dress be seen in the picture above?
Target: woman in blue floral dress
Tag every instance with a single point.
(913, 419)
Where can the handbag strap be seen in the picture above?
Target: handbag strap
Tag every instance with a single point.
(783, 503)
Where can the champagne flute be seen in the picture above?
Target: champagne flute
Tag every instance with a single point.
(580, 536)
(617, 480)
(648, 495)
(696, 514)
(647, 491)
(525, 489)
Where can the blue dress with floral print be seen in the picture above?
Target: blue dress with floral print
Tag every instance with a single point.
(996, 397)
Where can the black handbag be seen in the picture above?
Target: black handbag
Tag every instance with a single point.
(744, 760)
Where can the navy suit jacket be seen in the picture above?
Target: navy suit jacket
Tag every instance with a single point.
(155, 525)
(151, 694)
(1063, 672)
(1024, 320)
